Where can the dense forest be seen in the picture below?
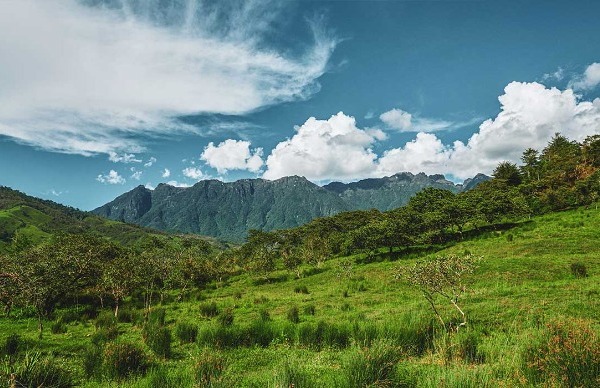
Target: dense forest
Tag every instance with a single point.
(91, 272)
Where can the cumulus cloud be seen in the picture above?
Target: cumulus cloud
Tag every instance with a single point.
(166, 173)
(90, 77)
(112, 178)
(324, 150)
(590, 78)
(397, 119)
(531, 113)
(192, 173)
(232, 155)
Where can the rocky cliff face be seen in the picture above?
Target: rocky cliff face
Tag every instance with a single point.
(228, 210)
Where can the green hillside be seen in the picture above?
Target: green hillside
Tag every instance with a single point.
(357, 324)
(29, 221)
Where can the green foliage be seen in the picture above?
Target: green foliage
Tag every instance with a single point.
(158, 338)
(292, 374)
(579, 270)
(92, 361)
(12, 345)
(226, 317)
(58, 327)
(372, 366)
(209, 368)
(566, 354)
(165, 377)
(124, 359)
(301, 290)
(209, 310)
(35, 370)
(293, 314)
(186, 332)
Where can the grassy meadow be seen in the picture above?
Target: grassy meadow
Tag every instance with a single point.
(533, 320)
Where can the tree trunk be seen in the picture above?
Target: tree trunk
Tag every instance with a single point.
(116, 308)
(40, 326)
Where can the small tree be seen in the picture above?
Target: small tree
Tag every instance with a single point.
(442, 278)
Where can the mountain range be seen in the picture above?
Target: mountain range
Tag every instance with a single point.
(227, 210)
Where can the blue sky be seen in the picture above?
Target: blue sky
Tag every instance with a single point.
(99, 96)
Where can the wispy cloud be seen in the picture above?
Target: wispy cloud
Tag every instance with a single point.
(93, 76)
(588, 80)
(403, 121)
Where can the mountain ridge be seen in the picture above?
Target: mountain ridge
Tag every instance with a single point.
(228, 210)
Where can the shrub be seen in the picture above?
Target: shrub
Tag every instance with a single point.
(293, 315)
(301, 290)
(292, 374)
(158, 339)
(129, 315)
(364, 333)
(309, 309)
(209, 368)
(264, 315)
(37, 371)
(102, 336)
(226, 317)
(567, 354)
(372, 366)
(261, 333)
(346, 307)
(237, 295)
(12, 345)
(209, 310)
(157, 316)
(106, 319)
(124, 359)
(468, 347)
(361, 287)
(164, 377)
(323, 334)
(92, 361)
(186, 332)
(579, 270)
(510, 237)
(58, 327)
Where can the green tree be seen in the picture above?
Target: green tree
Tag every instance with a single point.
(508, 172)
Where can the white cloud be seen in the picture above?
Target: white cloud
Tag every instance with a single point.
(166, 173)
(178, 184)
(397, 119)
(233, 155)
(112, 178)
(123, 158)
(137, 175)
(325, 149)
(406, 122)
(336, 149)
(192, 173)
(88, 79)
(530, 115)
(149, 186)
(589, 80)
(558, 75)
(150, 162)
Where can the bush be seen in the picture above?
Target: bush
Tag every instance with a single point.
(12, 345)
(106, 319)
(157, 316)
(237, 295)
(323, 334)
(301, 290)
(468, 347)
(37, 371)
(579, 270)
(186, 332)
(92, 361)
(58, 327)
(158, 339)
(264, 315)
(309, 309)
(102, 336)
(372, 366)
(261, 333)
(567, 354)
(209, 310)
(164, 377)
(129, 315)
(124, 359)
(292, 374)
(226, 317)
(209, 368)
(293, 315)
